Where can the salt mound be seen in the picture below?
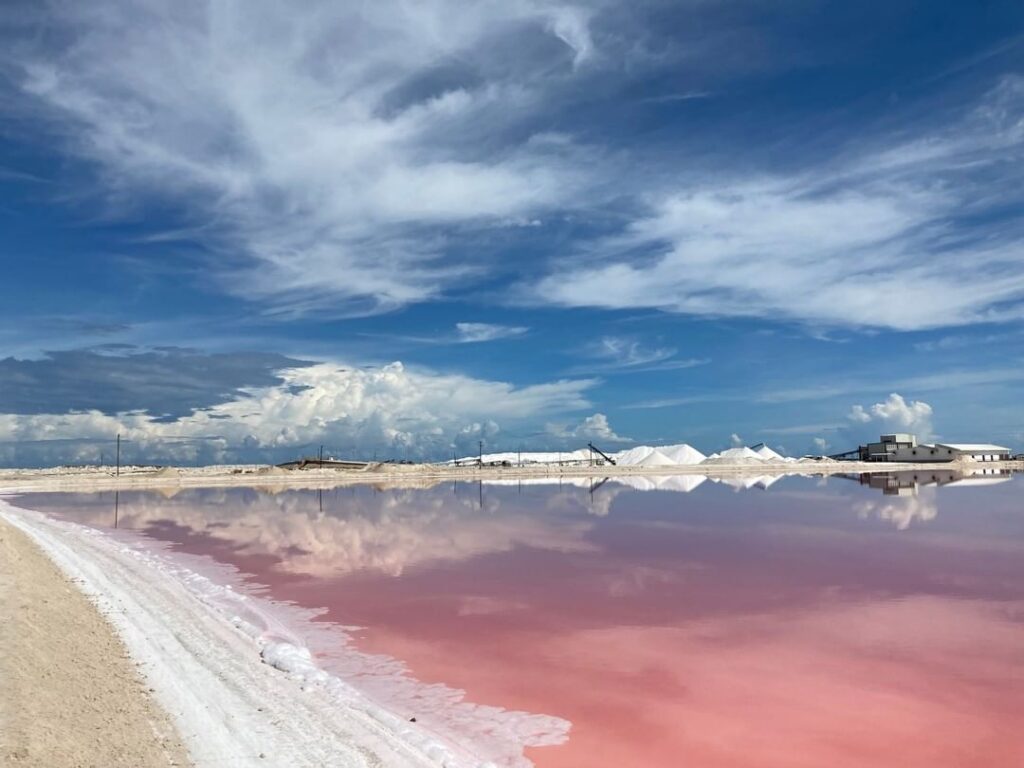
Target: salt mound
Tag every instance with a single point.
(657, 459)
(529, 457)
(767, 453)
(633, 456)
(724, 460)
(682, 454)
(740, 453)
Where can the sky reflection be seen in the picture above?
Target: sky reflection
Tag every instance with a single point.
(795, 623)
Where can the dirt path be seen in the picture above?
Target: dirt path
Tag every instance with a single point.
(70, 697)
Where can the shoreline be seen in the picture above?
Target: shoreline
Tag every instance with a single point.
(422, 475)
(209, 675)
(67, 675)
(238, 684)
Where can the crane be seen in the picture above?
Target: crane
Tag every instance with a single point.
(601, 453)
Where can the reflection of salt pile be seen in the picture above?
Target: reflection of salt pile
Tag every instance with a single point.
(764, 482)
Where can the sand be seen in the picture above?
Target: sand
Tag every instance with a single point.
(70, 696)
(232, 704)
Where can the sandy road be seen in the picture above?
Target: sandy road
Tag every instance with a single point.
(70, 697)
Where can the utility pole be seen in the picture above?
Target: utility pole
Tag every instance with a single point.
(520, 456)
(118, 470)
(480, 456)
(321, 457)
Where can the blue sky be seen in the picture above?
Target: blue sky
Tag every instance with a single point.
(235, 231)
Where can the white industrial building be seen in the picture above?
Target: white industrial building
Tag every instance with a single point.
(905, 448)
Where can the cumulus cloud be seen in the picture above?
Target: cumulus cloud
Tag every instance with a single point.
(595, 427)
(475, 332)
(896, 414)
(393, 410)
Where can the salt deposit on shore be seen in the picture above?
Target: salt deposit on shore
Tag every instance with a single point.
(680, 454)
(242, 696)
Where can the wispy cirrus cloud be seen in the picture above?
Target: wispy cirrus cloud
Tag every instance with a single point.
(469, 333)
(898, 236)
(628, 354)
(323, 156)
(351, 159)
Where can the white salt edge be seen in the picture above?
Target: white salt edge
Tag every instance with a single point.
(202, 691)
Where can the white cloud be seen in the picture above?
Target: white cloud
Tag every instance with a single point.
(342, 158)
(391, 409)
(821, 444)
(896, 414)
(871, 241)
(475, 332)
(627, 354)
(904, 511)
(859, 415)
(388, 533)
(595, 427)
(735, 440)
(323, 152)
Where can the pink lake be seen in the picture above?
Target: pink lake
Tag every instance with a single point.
(792, 624)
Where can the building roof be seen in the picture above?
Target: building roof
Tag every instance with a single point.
(976, 447)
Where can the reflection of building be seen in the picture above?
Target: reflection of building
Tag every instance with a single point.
(907, 483)
(904, 448)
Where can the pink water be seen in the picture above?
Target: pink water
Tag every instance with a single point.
(810, 624)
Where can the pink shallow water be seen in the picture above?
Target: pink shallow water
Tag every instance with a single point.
(809, 624)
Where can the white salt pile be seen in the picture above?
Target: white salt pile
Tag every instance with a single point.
(767, 453)
(683, 454)
(657, 459)
(634, 456)
(735, 456)
(529, 457)
(668, 455)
